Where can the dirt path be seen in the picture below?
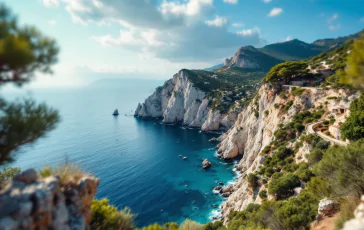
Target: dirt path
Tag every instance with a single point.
(327, 223)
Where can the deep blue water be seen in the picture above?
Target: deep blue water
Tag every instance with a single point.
(137, 161)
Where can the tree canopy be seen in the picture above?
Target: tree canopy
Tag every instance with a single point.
(24, 51)
(353, 127)
(286, 71)
(354, 71)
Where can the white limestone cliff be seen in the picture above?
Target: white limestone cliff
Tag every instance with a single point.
(251, 133)
(179, 101)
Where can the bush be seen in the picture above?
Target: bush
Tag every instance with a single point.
(266, 113)
(7, 174)
(288, 106)
(276, 105)
(283, 186)
(331, 98)
(214, 226)
(190, 225)
(326, 122)
(315, 156)
(322, 144)
(106, 216)
(263, 194)
(282, 95)
(343, 167)
(66, 172)
(253, 180)
(353, 127)
(299, 127)
(297, 91)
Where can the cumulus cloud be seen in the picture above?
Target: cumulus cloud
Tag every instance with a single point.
(218, 21)
(275, 12)
(267, 1)
(174, 30)
(51, 3)
(333, 18)
(333, 25)
(231, 1)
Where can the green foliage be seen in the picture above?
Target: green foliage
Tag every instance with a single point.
(354, 71)
(286, 72)
(315, 156)
(266, 112)
(296, 91)
(263, 194)
(190, 225)
(253, 180)
(353, 127)
(213, 226)
(343, 168)
(24, 122)
(23, 52)
(283, 186)
(326, 122)
(105, 217)
(288, 105)
(7, 174)
(331, 98)
(276, 105)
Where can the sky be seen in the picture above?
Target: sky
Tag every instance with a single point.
(154, 39)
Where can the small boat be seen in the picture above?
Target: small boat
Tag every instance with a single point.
(184, 158)
(116, 113)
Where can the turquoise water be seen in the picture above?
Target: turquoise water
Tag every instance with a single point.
(137, 161)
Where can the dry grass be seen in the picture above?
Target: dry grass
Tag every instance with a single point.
(67, 172)
(347, 207)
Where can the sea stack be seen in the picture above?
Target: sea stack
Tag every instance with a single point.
(206, 164)
(116, 112)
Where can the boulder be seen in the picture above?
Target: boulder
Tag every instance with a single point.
(221, 183)
(217, 188)
(327, 207)
(206, 164)
(27, 176)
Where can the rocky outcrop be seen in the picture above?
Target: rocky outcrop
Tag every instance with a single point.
(327, 207)
(179, 101)
(206, 164)
(29, 202)
(254, 130)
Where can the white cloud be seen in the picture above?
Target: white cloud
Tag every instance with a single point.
(231, 1)
(267, 1)
(176, 31)
(275, 12)
(335, 27)
(52, 22)
(333, 18)
(51, 3)
(250, 32)
(218, 21)
(288, 38)
(237, 24)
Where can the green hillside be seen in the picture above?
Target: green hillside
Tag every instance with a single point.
(293, 50)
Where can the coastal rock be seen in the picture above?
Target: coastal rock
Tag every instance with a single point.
(30, 202)
(327, 207)
(206, 164)
(179, 101)
(217, 188)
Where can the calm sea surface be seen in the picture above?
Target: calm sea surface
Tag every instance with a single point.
(137, 161)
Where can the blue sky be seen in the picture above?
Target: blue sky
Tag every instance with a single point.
(156, 38)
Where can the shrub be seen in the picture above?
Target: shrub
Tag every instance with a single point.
(268, 172)
(332, 121)
(315, 156)
(263, 194)
(276, 105)
(326, 122)
(331, 98)
(7, 174)
(288, 106)
(343, 168)
(328, 133)
(322, 144)
(297, 91)
(215, 225)
(190, 225)
(253, 180)
(266, 113)
(283, 186)
(353, 127)
(106, 216)
(282, 95)
(299, 127)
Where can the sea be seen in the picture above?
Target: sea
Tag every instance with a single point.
(139, 162)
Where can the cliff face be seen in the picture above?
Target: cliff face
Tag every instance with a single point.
(179, 101)
(254, 130)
